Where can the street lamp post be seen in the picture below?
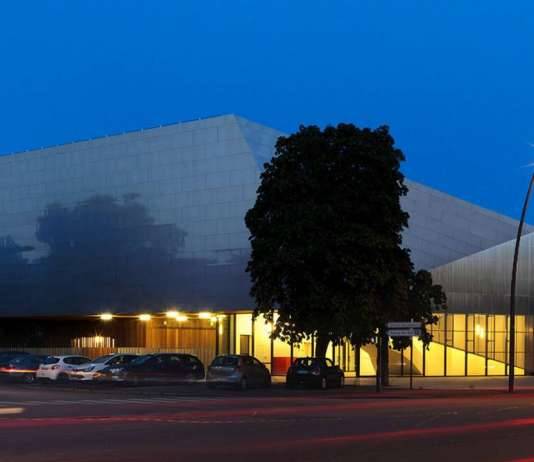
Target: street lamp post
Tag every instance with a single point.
(511, 361)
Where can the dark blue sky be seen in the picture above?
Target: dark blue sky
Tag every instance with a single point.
(453, 79)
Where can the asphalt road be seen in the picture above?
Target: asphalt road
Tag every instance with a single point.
(48, 423)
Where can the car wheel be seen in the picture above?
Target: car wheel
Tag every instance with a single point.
(324, 383)
(62, 378)
(28, 378)
(243, 384)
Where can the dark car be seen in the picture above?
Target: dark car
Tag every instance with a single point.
(7, 356)
(22, 368)
(242, 371)
(161, 367)
(315, 372)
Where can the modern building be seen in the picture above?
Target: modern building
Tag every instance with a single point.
(151, 223)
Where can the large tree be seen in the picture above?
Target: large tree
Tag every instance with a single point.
(326, 238)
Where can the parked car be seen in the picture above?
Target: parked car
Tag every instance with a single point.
(315, 372)
(59, 368)
(22, 368)
(7, 356)
(100, 368)
(161, 367)
(242, 371)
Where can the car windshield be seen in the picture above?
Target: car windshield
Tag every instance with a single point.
(51, 360)
(226, 361)
(102, 359)
(306, 362)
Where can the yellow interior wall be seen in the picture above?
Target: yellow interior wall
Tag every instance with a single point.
(368, 360)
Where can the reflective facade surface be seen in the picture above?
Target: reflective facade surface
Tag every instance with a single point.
(481, 282)
(142, 220)
(443, 228)
(155, 218)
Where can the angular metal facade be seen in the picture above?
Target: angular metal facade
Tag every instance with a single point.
(480, 283)
(155, 218)
(443, 228)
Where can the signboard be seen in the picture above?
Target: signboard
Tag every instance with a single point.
(404, 332)
(403, 325)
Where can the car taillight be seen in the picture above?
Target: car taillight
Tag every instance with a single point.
(316, 371)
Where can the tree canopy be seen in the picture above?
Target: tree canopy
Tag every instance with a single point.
(326, 237)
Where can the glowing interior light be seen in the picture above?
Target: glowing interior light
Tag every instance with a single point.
(173, 314)
(479, 331)
(106, 317)
(204, 315)
(145, 317)
(181, 318)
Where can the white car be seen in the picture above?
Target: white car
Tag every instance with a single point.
(59, 367)
(98, 368)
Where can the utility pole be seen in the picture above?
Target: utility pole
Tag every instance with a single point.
(511, 361)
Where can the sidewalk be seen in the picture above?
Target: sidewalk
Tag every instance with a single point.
(451, 383)
(440, 383)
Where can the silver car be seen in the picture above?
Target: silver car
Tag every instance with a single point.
(241, 371)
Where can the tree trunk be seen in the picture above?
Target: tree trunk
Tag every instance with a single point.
(384, 373)
(321, 345)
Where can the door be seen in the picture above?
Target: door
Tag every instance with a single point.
(244, 344)
(175, 368)
(153, 370)
(193, 367)
(249, 370)
(331, 372)
(260, 371)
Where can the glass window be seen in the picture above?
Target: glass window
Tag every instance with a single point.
(173, 360)
(305, 362)
(225, 361)
(102, 359)
(243, 333)
(435, 359)
(142, 359)
(262, 339)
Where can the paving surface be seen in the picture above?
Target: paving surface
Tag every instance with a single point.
(477, 422)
